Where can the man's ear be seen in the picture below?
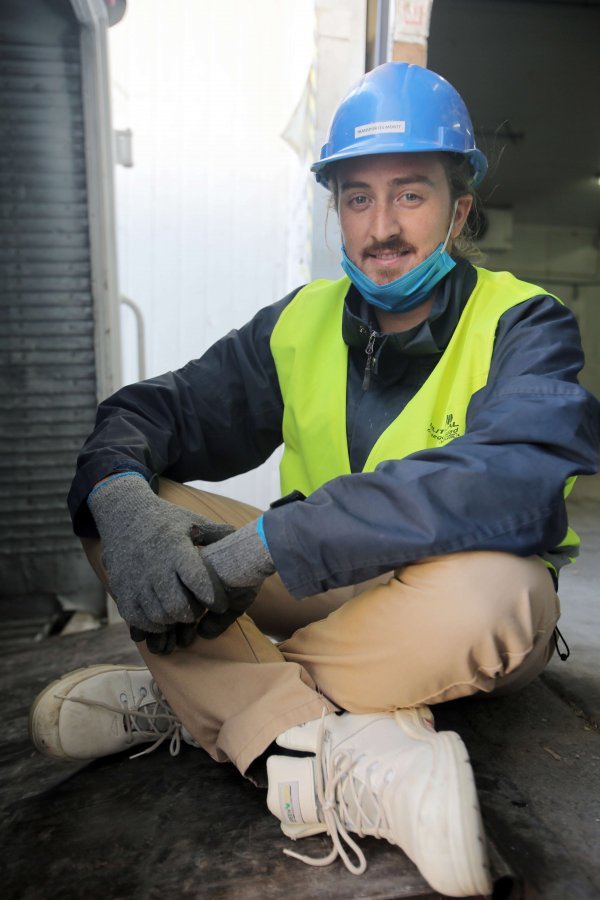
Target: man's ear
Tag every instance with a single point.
(463, 208)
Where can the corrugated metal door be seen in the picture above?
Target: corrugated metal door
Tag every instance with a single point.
(47, 364)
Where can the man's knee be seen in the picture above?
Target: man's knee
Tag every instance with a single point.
(444, 628)
(482, 592)
(493, 611)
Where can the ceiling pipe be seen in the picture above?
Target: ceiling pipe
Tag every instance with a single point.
(382, 32)
(378, 33)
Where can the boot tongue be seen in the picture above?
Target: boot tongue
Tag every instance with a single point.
(151, 719)
(302, 737)
(291, 795)
(148, 725)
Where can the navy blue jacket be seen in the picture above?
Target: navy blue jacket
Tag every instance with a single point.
(498, 487)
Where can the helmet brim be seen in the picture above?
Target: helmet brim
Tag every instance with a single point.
(477, 160)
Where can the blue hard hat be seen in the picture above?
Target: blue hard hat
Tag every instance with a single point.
(400, 108)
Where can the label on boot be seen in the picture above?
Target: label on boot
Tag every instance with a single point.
(289, 803)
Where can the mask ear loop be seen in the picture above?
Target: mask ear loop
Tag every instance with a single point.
(450, 227)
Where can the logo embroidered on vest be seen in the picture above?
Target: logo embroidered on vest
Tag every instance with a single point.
(449, 430)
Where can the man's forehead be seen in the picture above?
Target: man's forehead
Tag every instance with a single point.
(401, 168)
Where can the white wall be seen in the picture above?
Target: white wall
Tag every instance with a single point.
(565, 261)
(205, 215)
(341, 42)
(207, 90)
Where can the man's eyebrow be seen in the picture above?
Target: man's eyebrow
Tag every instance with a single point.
(394, 182)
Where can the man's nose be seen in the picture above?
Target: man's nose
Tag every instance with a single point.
(384, 222)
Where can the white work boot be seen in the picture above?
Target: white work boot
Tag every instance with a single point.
(387, 775)
(100, 710)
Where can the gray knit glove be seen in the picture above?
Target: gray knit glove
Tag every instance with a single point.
(241, 562)
(155, 571)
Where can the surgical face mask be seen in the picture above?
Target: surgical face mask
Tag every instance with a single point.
(412, 288)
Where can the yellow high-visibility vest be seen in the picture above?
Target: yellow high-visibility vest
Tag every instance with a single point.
(312, 364)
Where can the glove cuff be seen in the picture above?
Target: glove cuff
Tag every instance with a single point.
(124, 492)
(241, 559)
(110, 478)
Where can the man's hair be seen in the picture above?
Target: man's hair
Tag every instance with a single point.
(458, 173)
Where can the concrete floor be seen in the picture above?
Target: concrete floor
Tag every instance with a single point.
(578, 680)
(157, 827)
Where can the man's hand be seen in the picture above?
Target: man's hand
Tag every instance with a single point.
(240, 562)
(155, 570)
(241, 559)
(164, 642)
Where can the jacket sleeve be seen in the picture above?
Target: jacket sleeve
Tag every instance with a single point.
(498, 487)
(218, 416)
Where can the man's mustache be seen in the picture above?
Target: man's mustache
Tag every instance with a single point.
(393, 245)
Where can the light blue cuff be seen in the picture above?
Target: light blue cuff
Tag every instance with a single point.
(260, 527)
(112, 478)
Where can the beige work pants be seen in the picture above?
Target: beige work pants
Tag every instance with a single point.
(443, 628)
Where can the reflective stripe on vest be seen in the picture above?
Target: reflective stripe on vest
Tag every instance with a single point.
(312, 364)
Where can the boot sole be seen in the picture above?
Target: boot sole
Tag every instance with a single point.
(471, 875)
(44, 715)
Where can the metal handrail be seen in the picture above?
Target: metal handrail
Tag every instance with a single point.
(141, 334)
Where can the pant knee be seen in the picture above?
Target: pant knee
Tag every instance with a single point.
(441, 629)
(500, 630)
(515, 610)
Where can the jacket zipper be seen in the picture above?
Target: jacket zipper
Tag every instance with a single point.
(370, 366)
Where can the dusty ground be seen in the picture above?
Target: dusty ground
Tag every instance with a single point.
(161, 827)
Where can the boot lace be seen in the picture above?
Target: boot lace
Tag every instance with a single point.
(144, 719)
(343, 799)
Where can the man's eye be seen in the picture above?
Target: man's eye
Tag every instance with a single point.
(410, 197)
(359, 200)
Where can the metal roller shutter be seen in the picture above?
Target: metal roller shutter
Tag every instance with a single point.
(47, 362)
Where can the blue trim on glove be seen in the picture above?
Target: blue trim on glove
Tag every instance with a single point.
(260, 527)
(111, 478)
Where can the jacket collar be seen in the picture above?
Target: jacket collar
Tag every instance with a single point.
(429, 337)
